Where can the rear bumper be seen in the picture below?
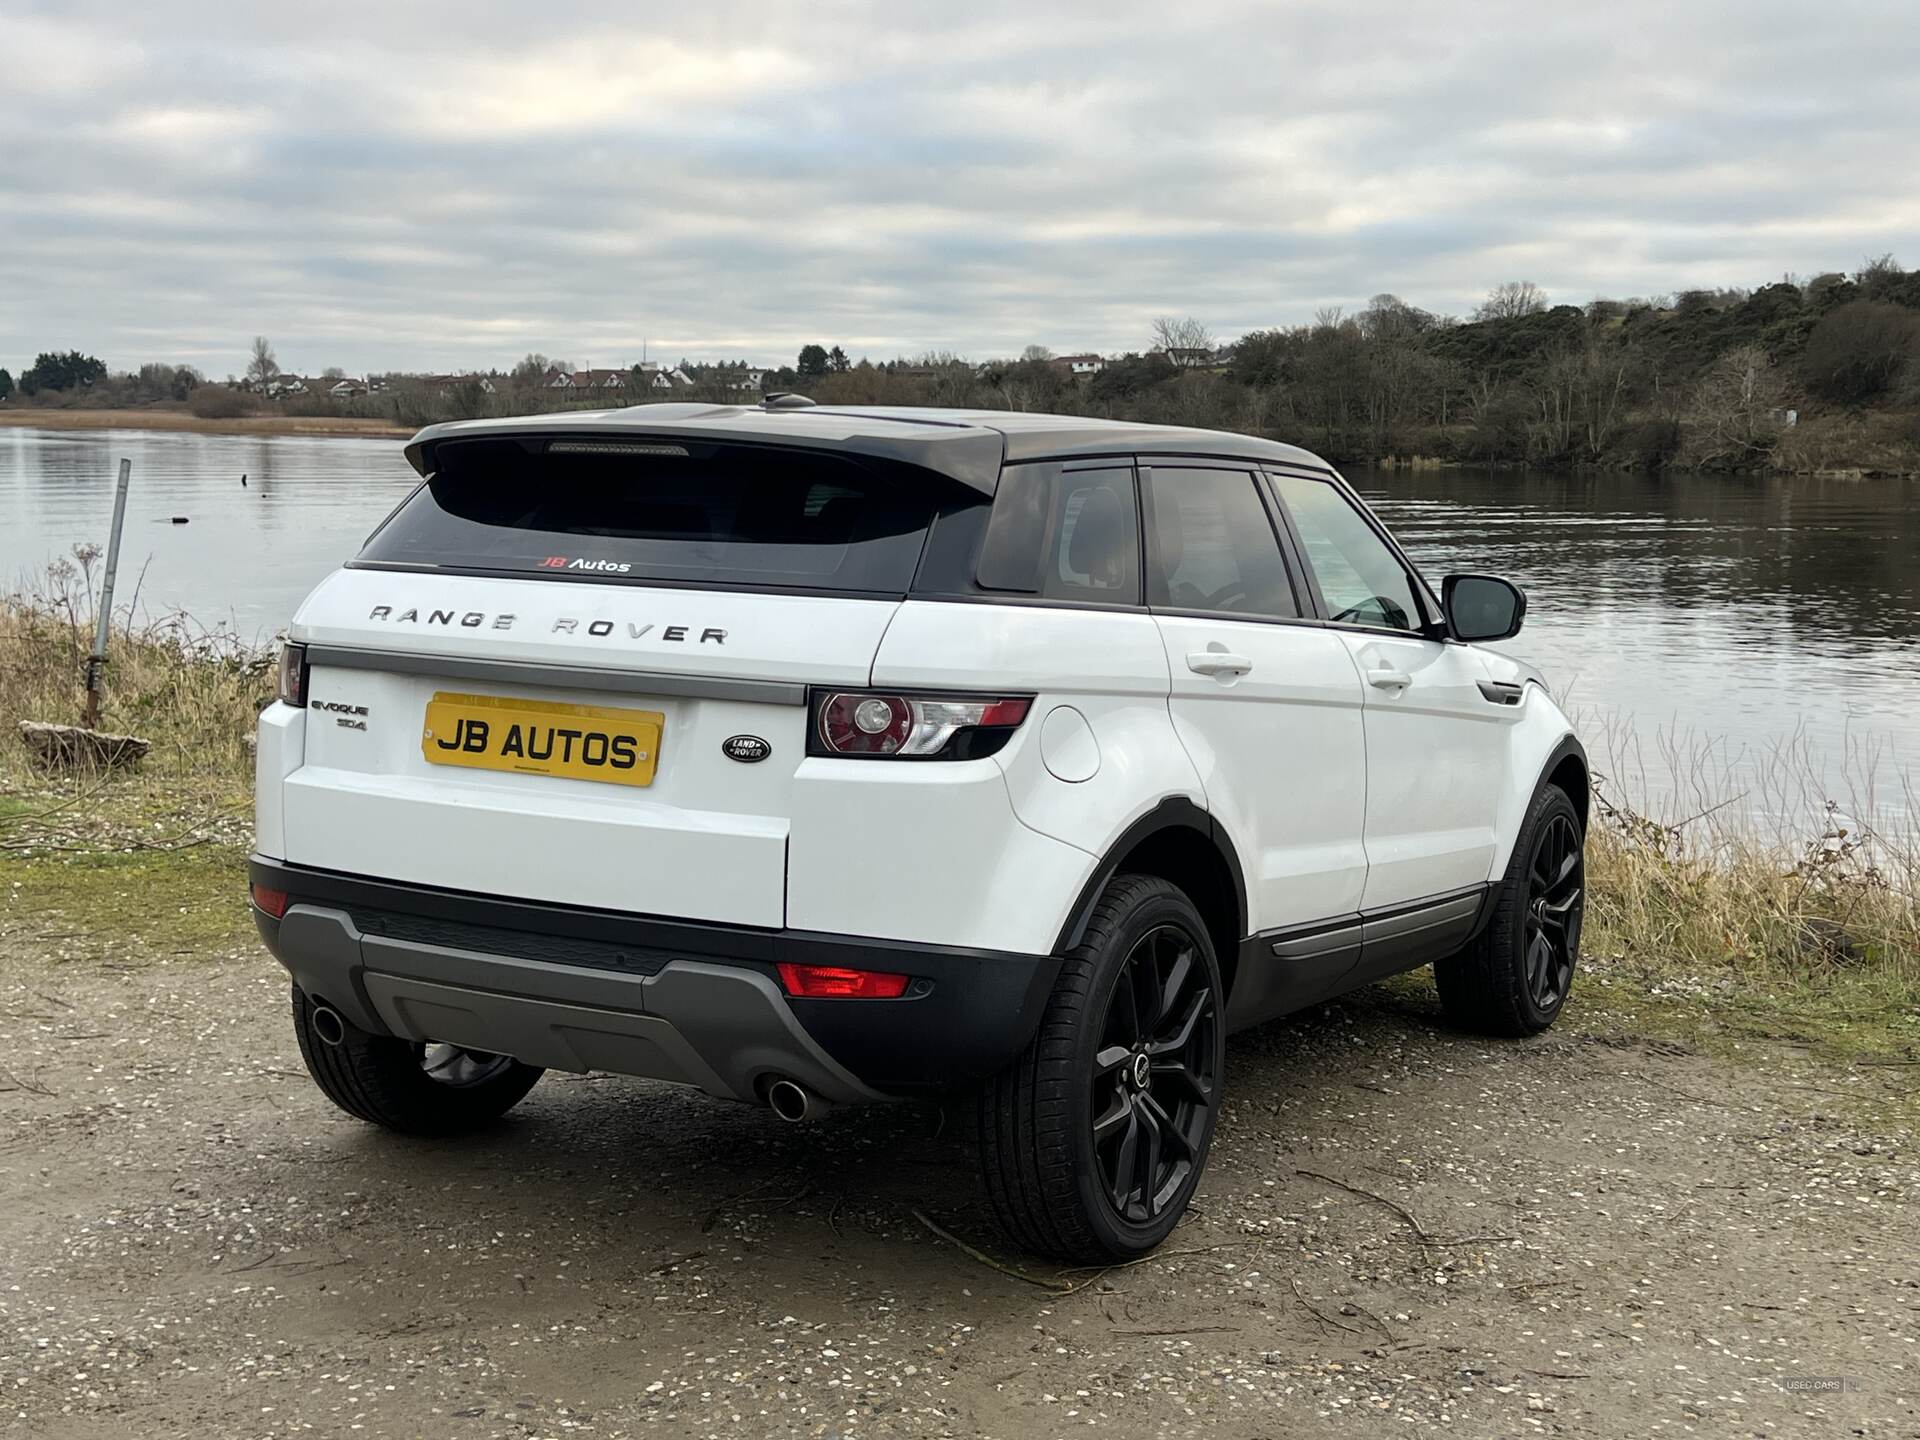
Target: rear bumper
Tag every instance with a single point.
(577, 989)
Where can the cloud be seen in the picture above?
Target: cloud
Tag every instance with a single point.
(434, 185)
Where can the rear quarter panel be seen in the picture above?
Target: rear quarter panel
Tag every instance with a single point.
(1109, 668)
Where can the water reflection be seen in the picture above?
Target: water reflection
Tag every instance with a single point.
(245, 555)
(1755, 613)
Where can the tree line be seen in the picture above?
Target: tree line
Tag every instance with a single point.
(1706, 378)
(1799, 373)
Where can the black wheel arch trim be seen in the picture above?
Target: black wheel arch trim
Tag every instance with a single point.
(1175, 812)
(1569, 748)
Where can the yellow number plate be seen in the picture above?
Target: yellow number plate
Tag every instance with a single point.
(540, 737)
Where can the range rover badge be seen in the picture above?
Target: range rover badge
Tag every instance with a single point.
(747, 749)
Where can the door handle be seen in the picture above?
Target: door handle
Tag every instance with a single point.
(1387, 678)
(1218, 662)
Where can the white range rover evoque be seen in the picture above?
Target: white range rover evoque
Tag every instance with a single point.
(815, 756)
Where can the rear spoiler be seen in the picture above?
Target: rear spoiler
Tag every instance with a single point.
(966, 453)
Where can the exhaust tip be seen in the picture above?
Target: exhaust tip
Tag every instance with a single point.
(327, 1024)
(790, 1101)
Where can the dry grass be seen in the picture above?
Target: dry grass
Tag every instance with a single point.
(171, 417)
(193, 692)
(1743, 911)
(1779, 893)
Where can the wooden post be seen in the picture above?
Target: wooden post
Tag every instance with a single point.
(96, 662)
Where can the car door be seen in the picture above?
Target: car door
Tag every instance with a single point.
(1436, 743)
(1267, 704)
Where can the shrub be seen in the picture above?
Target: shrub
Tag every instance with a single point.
(1858, 351)
(217, 402)
(1652, 444)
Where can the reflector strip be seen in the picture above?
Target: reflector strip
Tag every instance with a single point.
(833, 982)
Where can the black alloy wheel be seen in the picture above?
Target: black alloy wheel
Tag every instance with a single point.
(1155, 1074)
(1556, 900)
(1513, 978)
(1095, 1137)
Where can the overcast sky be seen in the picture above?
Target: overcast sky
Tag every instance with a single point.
(425, 185)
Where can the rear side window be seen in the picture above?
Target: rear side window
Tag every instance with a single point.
(666, 513)
(1063, 535)
(1214, 549)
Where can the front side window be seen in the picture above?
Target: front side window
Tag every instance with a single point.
(1061, 534)
(1361, 579)
(1214, 547)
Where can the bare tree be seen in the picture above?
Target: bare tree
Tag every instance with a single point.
(1511, 301)
(1878, 275)
(1736, 405)
(262, 367)
(1186, 342)
(1036, 352)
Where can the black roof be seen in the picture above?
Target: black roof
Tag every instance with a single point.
(966, 445)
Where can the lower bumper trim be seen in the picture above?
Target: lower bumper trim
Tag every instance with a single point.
(676, 1000)
(726, 1029)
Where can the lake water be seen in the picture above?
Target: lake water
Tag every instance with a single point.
(1712, 621)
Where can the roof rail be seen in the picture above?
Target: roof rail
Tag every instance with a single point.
(785, 400)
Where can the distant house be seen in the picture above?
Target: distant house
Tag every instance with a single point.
(1196, 357)
(599, 380)
(347, 389)
(748, 381)
(1080, 364)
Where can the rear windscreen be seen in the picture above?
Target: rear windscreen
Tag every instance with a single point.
(664, 513)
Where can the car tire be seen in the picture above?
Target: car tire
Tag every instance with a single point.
(1095, 1137)
(401, 1085)
(1515, 976)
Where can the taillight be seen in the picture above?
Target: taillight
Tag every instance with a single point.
(293, 673)
(912, 727)
(274, 902)
(833, 982)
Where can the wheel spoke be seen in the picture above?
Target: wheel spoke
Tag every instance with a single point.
(1559, 914)
(1154, 1133)
(1144, 973)
(1163, 1123)
(1125, 1012)
(1177, 975)
(1539, 958)
(1564, 874)
(1182, 1035)
(1108, 1125)
(1182, 1081)
(1121, 1177)
(1111, 1059)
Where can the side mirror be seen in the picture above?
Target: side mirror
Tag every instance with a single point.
(1482, 607)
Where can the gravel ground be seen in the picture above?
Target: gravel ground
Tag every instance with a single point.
(1578, 1235)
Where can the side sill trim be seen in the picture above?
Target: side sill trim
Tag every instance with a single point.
(1305, 964)
(567, 677)
(1406, 924)
(1317, 942)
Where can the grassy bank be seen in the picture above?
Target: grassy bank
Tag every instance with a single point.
(1694, 932)
(171, 417)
